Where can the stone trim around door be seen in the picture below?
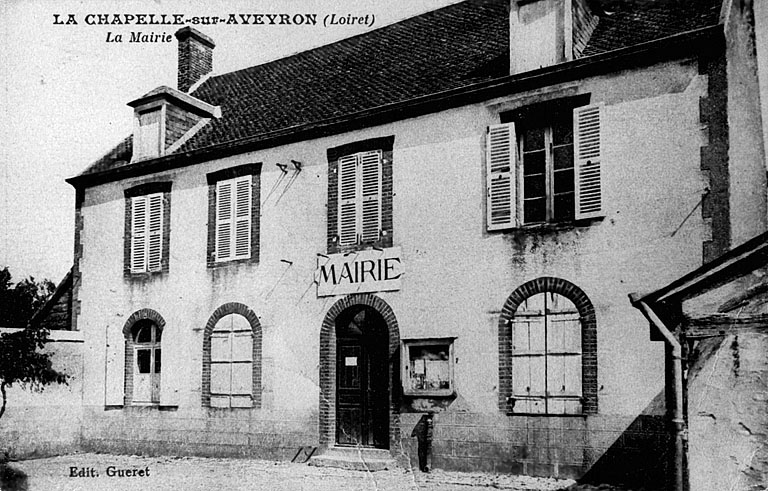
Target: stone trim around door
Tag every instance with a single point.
(327, 423)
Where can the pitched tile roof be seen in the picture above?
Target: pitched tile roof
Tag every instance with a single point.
(440, 50)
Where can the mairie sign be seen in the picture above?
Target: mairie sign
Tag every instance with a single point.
(358, 272)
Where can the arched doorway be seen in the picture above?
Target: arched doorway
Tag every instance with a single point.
(362, 379)
(375, 331)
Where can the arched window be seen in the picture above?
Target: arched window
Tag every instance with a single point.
(548, 350)
(232, 362)
(232, 358)
(147, 352)
(546, 356)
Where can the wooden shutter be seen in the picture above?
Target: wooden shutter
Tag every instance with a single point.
(114, 371)
(242, 223)
(348, 198)
(224, 219)
(588, 161)
(155, 236)
(500, 162)
(139, 234)
(370, 171)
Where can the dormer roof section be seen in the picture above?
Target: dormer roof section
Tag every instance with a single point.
(164, 119)
(186, 102)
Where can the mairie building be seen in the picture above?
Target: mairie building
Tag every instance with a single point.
(436, 223)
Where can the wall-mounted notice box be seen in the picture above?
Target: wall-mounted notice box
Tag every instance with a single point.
(427, 369)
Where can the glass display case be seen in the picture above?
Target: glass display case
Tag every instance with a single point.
(428, 367)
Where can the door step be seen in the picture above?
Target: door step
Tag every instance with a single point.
(354, 458)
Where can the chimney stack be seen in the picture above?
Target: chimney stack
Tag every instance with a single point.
(195, 57)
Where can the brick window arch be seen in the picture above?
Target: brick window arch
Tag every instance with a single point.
(232, 358)
(143, 336)
(538, 327)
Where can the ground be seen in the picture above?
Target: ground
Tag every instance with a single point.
(191, 473)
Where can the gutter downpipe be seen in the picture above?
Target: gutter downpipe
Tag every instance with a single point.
(677, 382)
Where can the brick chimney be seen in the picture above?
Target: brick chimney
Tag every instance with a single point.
(545, 32)
(195, 57)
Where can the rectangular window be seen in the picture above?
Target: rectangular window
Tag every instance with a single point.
(233, 218)
(147, 144)
(359, 205)
(545, 167)
(146, 233)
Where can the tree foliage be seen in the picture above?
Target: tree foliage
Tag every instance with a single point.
(20, 301)
(22, 361)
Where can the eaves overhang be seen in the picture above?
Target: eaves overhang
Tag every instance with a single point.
(707, 40)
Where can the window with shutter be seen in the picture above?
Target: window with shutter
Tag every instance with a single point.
(146, 233)
(545, 167)
(232, 362)
(233, 218)
(546, 356)
(359, 202)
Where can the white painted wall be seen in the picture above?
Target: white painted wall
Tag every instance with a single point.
(457, 275)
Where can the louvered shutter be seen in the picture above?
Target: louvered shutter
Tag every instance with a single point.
(242, 224)
(348, 198)
(155, 238)
(500, 161)
(588, 161)
(224, 213)
(370, 169)
(139, 234)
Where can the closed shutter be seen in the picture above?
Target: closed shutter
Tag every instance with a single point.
(564, 362)
(528, 364)
(370, 169)
(139, 234)
(500, 162)
(242, 225)
(588, 161)
(114, 371)
(348, 194)
(224, 215)
(155, 237)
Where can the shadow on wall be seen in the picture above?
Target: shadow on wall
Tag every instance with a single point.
(12, 479)
(641, 457)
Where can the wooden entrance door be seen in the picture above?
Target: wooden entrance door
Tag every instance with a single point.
(362, 382)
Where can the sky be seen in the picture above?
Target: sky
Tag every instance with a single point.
(65, 90)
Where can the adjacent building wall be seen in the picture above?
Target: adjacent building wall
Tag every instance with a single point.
(47, 423)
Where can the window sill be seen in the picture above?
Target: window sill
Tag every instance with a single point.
(233, 262)
(554, 227)
(145, 276)
(548, 415)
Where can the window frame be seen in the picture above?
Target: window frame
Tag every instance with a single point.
(216, 180)
(145, 193)
(504, 162)
(383, 147)
(588, 324)
(231, 335)
(256, 355)
(548, 356)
